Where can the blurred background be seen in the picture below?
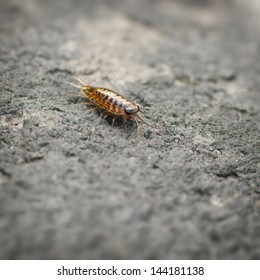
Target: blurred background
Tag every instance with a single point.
(74, 187)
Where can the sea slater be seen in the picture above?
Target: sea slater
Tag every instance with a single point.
(112, 103)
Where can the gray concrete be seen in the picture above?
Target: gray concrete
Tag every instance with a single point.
(73, 186)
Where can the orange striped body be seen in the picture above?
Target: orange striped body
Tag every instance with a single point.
(110, 101)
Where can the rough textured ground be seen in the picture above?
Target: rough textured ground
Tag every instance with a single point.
(73, 186)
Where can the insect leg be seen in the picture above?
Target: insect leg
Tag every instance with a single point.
(137, 127)
(124, 122)
(101, 116)
(89, 103)
(76, 94)
(113, 121)
(94, 108)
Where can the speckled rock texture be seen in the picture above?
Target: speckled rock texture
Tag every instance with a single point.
(72, 186)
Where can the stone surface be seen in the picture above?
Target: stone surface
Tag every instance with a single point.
(72, 186)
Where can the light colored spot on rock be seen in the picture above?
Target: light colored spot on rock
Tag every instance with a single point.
(198, 139)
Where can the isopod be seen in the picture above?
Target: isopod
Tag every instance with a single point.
(112, 103)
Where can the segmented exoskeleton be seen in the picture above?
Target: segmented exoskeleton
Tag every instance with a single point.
(112, 103)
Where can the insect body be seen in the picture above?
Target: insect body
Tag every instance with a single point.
(112, 103)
